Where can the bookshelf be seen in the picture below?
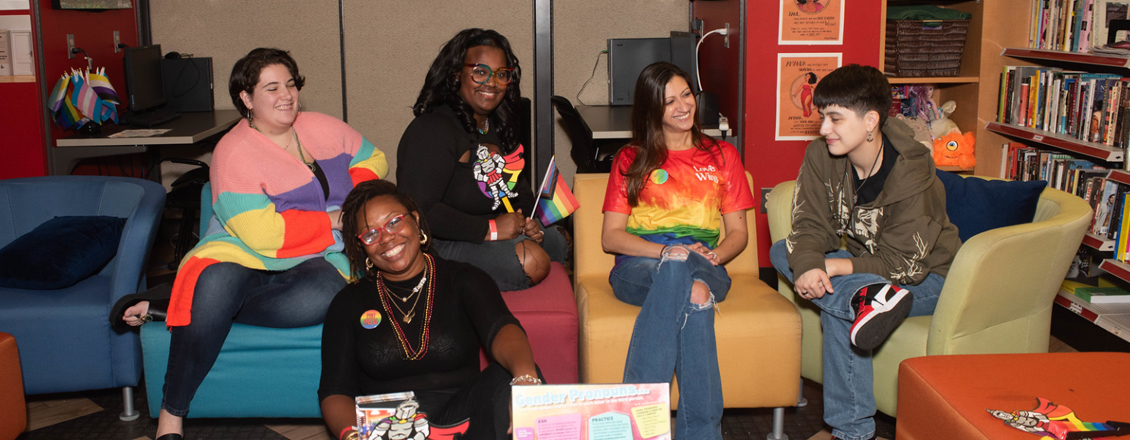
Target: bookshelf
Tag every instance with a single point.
(965, 88)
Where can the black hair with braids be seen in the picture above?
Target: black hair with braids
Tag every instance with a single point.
(352, 210)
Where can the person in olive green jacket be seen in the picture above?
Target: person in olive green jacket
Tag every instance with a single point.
(869, 181)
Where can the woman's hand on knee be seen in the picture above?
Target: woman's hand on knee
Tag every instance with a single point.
(706, 252)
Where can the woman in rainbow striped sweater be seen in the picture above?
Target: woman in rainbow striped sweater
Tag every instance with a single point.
(272, 255)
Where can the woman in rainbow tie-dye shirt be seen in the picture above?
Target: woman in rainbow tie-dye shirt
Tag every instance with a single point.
(671, 191)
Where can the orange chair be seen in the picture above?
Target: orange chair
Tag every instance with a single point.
(13, 410)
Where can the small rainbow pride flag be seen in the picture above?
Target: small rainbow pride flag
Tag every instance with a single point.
(555, 201)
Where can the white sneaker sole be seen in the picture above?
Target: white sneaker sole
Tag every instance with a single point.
(874, 328)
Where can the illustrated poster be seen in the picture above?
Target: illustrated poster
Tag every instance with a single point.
(811, 22)
(592, 412)
(797, 77)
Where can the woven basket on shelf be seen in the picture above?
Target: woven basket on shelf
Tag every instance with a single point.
(917, 48)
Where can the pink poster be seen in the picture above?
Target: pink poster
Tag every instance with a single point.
(592, 412)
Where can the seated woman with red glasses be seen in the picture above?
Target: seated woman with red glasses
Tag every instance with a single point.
(460, 159)
(415, 322)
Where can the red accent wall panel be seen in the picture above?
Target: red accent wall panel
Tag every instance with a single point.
(94, 33)
(22, 141)
(769, 161)
(719, 67)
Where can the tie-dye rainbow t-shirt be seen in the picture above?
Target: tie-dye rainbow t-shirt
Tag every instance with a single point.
(685, 197)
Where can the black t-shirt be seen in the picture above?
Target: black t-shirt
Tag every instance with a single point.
(468, 312)
(446, 190)
(874, 185)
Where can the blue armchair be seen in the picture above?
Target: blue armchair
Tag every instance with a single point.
(65, 339)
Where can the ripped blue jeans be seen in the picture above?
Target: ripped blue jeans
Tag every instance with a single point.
(674, 335)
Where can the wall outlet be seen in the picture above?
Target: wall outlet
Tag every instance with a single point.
(70, 46)
(117, 41)
(727, 42)
(765, 199)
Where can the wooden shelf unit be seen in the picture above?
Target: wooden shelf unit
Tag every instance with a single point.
(965, 88)
(1059, 141)
(1067, 57)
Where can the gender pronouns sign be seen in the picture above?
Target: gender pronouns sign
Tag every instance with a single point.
(592, 412)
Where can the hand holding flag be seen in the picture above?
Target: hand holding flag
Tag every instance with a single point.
(555, 200)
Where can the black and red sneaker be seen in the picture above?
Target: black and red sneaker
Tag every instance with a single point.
(879, 309)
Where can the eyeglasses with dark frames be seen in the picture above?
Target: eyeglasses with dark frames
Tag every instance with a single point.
(481, 73)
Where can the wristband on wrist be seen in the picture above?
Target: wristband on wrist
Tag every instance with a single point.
(493, 230)
(345, 433)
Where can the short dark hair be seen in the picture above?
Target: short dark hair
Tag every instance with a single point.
(442, 84)
(857, 88)
(245, 73)
(354, 205)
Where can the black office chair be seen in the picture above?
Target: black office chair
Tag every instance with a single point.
(589, 155)
(185, 196)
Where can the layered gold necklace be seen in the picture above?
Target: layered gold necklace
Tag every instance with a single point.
(387, 298)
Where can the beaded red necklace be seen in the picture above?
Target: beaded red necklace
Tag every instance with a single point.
(386, 297)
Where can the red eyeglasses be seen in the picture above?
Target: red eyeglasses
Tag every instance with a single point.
(392, 226)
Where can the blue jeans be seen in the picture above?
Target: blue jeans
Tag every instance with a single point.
(849, 395)
(497, 258)
(227, 293)
(672, 334)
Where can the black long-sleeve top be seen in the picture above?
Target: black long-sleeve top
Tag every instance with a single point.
(468, 310)
(449, 196)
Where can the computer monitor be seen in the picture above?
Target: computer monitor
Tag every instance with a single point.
(684, 55)
(627, 57)
(144, 87)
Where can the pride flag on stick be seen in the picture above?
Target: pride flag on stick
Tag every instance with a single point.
(555, 200)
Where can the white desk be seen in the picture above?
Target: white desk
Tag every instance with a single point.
(188, 129)
(615, 122)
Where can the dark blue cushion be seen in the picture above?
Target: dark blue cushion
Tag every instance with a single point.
(60, 252)
(977, 205)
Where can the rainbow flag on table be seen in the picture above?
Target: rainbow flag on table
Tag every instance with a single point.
(556, 200)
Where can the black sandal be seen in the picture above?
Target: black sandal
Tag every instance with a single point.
(158, 298)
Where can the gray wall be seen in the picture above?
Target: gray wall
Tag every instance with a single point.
(390, 44)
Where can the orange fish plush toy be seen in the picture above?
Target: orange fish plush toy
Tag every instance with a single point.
(955, 149)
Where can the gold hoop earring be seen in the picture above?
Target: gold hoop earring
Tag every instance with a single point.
(423, 238)
(870, 136)
(368, 264)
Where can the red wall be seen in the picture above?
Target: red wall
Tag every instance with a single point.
(718, 65)
(94, 33)
(769, 161)
(22, 138)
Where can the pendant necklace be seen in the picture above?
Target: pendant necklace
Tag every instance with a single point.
(410, 353)
(486, 126)
(855, 194)
(313, 166)
(415, 290)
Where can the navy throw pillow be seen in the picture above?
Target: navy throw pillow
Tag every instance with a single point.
(60, 252)
(977, 205)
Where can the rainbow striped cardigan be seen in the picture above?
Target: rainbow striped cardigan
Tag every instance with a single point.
(270, 212)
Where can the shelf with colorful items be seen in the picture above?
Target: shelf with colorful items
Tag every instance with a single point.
(935, 125)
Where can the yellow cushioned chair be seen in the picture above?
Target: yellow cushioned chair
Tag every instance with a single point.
(758, 331)
(997, 297)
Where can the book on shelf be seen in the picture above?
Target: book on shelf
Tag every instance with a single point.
(1103, 295)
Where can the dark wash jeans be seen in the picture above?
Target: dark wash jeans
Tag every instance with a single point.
(227, 293)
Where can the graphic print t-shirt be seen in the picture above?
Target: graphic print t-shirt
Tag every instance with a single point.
(684, 199)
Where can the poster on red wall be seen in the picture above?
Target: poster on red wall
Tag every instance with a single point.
(797, 77)
(811, 22)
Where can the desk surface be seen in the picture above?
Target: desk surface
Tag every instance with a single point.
(188, 129)
(615, 121)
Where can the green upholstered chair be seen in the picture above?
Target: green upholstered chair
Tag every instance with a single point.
(997, 297)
